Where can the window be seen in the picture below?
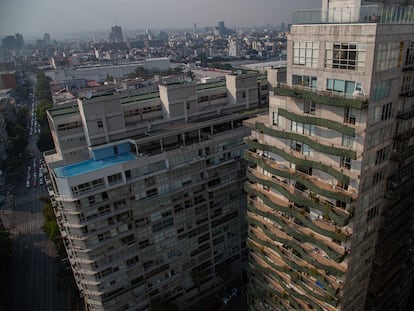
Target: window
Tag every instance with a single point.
(372, 212)
(100, 124)
(305, 81)
(115, 178)
(381, 155)
(309, 107)
(409, 59)
(381, 90)
(378, 176)
(306, 53)
(301, 128)
(388, 55)
(345, 163)
(347, 141)
(342, 86)
(386, 111)
(275, 118)
(344, 55)
(349, 116)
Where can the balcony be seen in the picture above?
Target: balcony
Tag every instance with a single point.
(341, 217)
(295, 267)
(403, 155)
(257, 240)
(299, 159)
(278, 235)
(322, 97)
(318, 225)
(266, 264)
(407, 115)
(307, 119)
(303, 234)
(308, 181)
(314, 143)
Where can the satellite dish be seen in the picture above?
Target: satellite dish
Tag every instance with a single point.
(188, 79)
(88, 95)
(239, 72)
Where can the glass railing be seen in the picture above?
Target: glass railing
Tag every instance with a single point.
(378, 14)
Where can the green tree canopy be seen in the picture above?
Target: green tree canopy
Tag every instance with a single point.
(45, 141)
(41, 115)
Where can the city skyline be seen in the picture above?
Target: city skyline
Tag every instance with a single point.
(28, 17)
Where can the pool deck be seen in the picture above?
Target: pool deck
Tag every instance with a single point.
(92, 165)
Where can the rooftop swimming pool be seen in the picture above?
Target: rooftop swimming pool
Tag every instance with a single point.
(92, 165)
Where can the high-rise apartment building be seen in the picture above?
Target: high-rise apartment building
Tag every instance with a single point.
(330, 190)
(116, 35)
(149, 187)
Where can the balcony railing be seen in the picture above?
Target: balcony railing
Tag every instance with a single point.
(307, 119)
(298, 233)
(365, 14)
(403, 154)
(308, 181)
(311, 142)
(405, 115)
(299, 161)
(323, 97)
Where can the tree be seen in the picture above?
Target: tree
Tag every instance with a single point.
(223, 271)
(41, 109)
(45, 141)
(198, 276)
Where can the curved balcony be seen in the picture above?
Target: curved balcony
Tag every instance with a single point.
(294, 195)
(330, 284)
(308, 119)
(308, 181)
(314, 143)
(281, 237)
(318, 225)
(341, 176)
(321, 97)
(296, 278)
(304, 234)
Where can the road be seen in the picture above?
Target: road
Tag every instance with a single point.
(35, 264)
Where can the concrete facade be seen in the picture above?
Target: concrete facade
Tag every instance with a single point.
(330, 168)
(148, 187)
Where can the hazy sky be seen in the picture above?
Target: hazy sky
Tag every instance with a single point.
(35, 17)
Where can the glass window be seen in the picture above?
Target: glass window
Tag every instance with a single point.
(306, 53)
(344, 55)
(387, 56)
(305, 81)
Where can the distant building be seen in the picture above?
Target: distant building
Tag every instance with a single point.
(116, 34)
(234, 49)
(19, 41)
(9, 43)
(46, 39)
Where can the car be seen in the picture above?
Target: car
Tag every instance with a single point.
(234, 292)
(28, 184)
(227, 299)
(41, 181)
(34, 184)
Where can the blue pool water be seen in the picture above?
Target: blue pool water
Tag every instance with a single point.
(91, 165)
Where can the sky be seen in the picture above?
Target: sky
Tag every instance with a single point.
(36, 17)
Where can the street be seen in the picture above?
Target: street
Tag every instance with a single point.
(35, 264)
